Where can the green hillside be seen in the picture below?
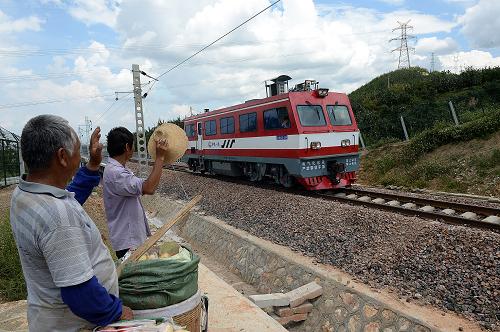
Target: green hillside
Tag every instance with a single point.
(439, 155)
(422, 99)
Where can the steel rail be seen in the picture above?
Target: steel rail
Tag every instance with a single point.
(483, 210)
(435, 215)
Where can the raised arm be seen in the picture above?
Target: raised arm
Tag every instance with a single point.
(151, 184)
(87, 177)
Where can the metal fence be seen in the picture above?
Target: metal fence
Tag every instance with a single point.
(10, 162)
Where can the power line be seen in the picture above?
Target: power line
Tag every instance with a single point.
(215, 41)
(152, 47)
(404, 50)
(41, 102)
(107, 111)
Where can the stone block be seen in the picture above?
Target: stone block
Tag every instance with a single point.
(287, 311)
(427, 208)
(469, 215)
(448, 211)
(492, 220)
(352, 196)
(365, 199)
(388, 315)
(409, 205)
(307, 292)
(394, 203)
(340, 195)
(354, 324)
(292, 318)
(350, 300)
(379, 200)
(372, 327)
(270, 300)
(369, 311)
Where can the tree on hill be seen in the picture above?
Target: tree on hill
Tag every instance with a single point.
(422, 99)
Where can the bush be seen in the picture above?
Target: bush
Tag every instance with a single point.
(431, 139)
(12, 285)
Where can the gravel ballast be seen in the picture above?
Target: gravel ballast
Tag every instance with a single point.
(452, 267)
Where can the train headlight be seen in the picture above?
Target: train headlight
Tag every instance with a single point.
(315, 145)
(345, 143)
(322, 92)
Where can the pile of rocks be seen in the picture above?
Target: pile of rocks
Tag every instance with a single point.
(291, 307)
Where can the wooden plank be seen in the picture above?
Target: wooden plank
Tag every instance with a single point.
(183, 214)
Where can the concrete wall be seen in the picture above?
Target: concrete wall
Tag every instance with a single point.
(344, 306)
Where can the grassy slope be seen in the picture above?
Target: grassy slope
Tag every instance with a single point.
(468, 167)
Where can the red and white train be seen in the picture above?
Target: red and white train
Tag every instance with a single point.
(304, 134)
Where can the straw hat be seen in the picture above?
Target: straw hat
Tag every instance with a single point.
(176, 138)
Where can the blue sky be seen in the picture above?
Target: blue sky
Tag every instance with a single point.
(69, 57)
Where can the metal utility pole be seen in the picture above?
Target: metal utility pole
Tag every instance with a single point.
(433, 62)
(139, 122)
(404, 50)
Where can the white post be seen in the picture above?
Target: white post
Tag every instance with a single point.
(453, 114)
(404, 127)
(362, 141)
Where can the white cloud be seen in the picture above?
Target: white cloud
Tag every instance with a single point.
(474, 58)
(96, 11)
(436, 45)
(393, 2)
(9, 25)
(481, 24)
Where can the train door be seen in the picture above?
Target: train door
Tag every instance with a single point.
(199, 143)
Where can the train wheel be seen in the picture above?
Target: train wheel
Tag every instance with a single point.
(287, 180)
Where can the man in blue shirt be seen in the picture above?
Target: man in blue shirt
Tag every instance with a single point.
(65, 262)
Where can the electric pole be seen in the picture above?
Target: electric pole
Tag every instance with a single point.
(433, 62)
(404, 50)
(139, 121)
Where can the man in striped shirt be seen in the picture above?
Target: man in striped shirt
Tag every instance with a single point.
(70, 275)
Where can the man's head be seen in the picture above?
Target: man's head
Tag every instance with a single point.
(50, 145)
(120, 142)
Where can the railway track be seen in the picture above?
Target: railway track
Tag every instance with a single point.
(450, 212)
(441, 210)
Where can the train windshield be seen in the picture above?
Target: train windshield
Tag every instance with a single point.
(339, 115)
(311, 115)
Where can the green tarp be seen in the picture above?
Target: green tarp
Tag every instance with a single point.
(158, 283)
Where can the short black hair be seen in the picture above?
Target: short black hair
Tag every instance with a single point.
(117, 139)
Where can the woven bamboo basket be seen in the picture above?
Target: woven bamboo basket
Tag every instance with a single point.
(190, 319)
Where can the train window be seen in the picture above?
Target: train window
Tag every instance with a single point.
(210, 128)
(227, 125)
(311, 115)
(339, 115)
(189, 130)
(276, 118)
(248, 122)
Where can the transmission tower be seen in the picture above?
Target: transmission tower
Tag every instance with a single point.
(433, 62)
(84, 135)
(456, 59)
(404, 50)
